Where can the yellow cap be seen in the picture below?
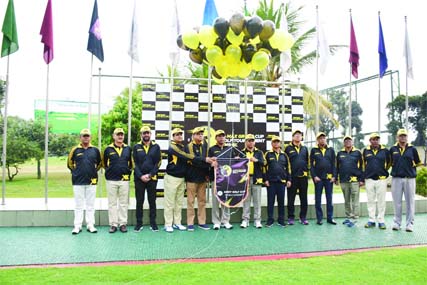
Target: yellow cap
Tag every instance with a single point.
(145, 129)
(347, 138)
(275, 138)
(320, 134)
(297, 131)
(118, 131)
(219, 132)
(177, 131)
(250, 137)
(85, 132)
(198, 130)
(374, 135)
(402, 132)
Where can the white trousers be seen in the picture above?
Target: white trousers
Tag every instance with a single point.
(84, 199)
(375, 191)
(118, 202)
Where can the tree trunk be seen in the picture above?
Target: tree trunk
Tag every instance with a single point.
(39, 172)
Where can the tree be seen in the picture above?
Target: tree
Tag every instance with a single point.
(61, 144)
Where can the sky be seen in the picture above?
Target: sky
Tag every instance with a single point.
(69, 72)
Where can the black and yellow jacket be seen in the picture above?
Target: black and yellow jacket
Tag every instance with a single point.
(322, 161)
(404, 161)
(350, 165)
(278, 167)
(84, 164)
(299, 158)
(177, 160)
(377, 162)
(147, 159)
(198, 169)
(118, 162)
(256, 169)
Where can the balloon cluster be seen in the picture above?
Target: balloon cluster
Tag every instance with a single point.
(236, 47)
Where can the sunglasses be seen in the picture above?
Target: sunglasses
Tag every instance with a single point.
(85, 136)
(146, 133)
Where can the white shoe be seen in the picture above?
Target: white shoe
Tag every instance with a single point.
(91, 229)
(244, 224)
(258, 225)
(216, 226)
(76, 230)
(228, 226)
(179, 227)
(168, 229)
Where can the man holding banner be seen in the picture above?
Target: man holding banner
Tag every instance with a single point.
(256, 164)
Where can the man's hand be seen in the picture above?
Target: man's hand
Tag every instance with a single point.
(145, 178)
(333, 180)
(288, 184)
(267, 183)
(253, 159)
(361, 183)
(316, 179)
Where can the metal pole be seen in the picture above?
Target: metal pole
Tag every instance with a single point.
(3, 157)
(379, 104)
(130, 95)
(89, 112)
(99, 145)
(282, 127)
(406, 79)
(46, 138)
(246, 106)
(317, 71)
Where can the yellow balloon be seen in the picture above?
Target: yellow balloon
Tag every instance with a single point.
(233, 53)
(233, 68)
(207, 36)
(289, 41)
(244, 69)
(260, 60)
(191, 39)
(254, 41)
(213, 54)
(219, 81)
(222, 68)
(233, 39)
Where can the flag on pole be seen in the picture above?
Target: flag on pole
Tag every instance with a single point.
(10, 34)
(175, 31)
(354, 52)
(46, 32)
(286, 56)
(408, 55)
(133, 44)
(381, 51)
(323, 47)
(94, 44)
(210, 13)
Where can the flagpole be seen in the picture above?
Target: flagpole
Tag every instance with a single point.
(130, 102)
(246, 107)
(3, 199)
(406, 76)
(99, 142)
(282, 128)
(317, 71)
(89, 112)
(349, 94)
(379, 92)
(46, 137)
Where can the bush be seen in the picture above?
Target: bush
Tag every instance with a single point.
(422, 182)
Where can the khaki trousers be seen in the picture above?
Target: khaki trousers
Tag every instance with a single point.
(351, 192)
(118, 202)
(196, 190)
(375, 191)
(174, 188)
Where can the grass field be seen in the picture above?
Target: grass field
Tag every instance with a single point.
(386, 266)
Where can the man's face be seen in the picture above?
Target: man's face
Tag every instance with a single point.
(178, 138)
(297, 137)
(146, 136)
(220, 139)
(250, 144)
(402, 139)
(375, 142)
(85, 139)
(348, 143)
(198, 137)
(275, 144)
(321, 140)
(118, 138)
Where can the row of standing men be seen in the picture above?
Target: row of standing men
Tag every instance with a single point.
(191, 166)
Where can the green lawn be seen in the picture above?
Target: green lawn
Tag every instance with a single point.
(387, 266)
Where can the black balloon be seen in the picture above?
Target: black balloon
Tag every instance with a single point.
(221, 26)
(268, 28)
(237, 23)
(253, 27)
(215, 73)
(196, 56)
(180, 43)
(248, 52)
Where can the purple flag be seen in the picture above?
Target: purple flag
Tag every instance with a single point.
(381, 51)
(354, 52)
(46, 32)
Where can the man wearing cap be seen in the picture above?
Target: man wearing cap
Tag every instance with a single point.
(197, 177)
(277, 177)
(350, 171)
(377, 162)
(323, 173)
(223, 151)
(256, 165)
(147, 159)
(84, 161)
(118, 168)
(299, 158)
(174, 181)
(404, 162)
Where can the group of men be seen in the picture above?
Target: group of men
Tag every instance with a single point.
(281, 169)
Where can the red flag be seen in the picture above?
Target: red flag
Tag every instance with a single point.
(46, 32)
(354, 52)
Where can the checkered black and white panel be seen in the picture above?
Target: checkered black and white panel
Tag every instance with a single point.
(268, 110)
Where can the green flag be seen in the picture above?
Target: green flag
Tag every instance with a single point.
(10, 35)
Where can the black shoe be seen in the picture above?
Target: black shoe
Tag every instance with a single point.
(332, 222)
(281, 224)
(268, 224)
(113, 229)
(123, 229)
(154, 228)
(137, 228)
(319, 223)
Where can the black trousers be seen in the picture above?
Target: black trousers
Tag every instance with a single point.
(300, 185)
(140, 188)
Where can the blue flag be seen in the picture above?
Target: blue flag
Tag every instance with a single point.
(381, 51)
(94, 44)
(210, 13)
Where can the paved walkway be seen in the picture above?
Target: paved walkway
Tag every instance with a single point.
(54, 245)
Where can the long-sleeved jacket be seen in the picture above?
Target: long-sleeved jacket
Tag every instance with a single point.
(377, 162)
(84, 164)
(255, 168)
(147, 159)
(404, 161)
(299, 158)
(322, 162)
(118, 162)
(350, 165)
(198, 169)
(278, 168)
(177, 160)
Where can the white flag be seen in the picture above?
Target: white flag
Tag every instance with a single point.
(133, 43)
(285, 57)
(408, 56)
(323, 49)
(175, 31)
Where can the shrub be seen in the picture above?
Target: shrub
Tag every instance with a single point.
(422, 181)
